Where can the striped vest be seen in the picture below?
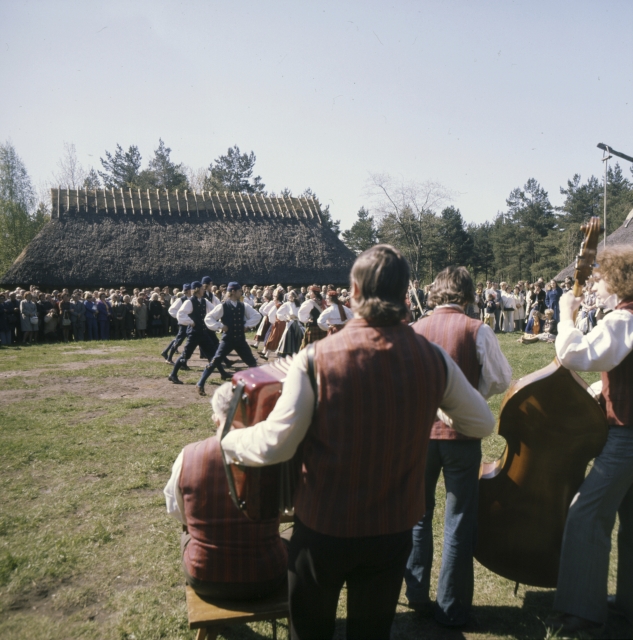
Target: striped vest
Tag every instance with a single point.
(365, 451)
(617, 385)
(456, 333)
(225, 545)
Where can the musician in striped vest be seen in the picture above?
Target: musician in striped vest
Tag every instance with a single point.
(224, 554)
(475, 348)
(364, 444)
(581, 593)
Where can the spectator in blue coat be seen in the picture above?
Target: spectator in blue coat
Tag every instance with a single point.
(552, 298)
(103, 307)
(92, 332)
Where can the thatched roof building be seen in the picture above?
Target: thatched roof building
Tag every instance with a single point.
(622, 235)
(132, 237)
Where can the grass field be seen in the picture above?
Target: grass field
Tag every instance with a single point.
(88, 434)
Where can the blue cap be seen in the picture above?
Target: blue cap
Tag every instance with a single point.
(196, 285)
(206, 280)
(186, 287)
(233, 286)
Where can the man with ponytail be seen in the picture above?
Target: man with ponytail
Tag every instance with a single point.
(364, 437)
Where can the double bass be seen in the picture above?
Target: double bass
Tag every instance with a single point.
(553, 428)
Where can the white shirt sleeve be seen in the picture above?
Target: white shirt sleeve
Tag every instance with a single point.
(266, 307)
(276, 439)
(173, 497)
(173, 308)
(213, 319)
(272, 314)
(285, 312)
(251, 316)
(602, 349)
(183, 314)
(466, 409)
(304, 310)
(496, 372)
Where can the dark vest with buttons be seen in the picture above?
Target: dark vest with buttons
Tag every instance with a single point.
(233, 319)
(198, 313)
(617, 385)
(314, 316)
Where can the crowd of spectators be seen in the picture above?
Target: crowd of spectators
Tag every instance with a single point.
(30, 316)
(531, 308)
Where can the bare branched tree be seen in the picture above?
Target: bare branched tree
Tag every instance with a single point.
(197, 177)
(69, 172)
(407, 215)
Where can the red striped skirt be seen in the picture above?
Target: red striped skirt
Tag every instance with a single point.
(275, 335)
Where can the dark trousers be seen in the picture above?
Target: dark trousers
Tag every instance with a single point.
(119, 328)
(91, 329)
(240, 346)
(202, 338)
(176, 342)
(319, 565)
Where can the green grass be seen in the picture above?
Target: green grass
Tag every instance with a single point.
(88, 434)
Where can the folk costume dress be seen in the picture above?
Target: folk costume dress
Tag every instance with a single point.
(309, 313)
(333, 319)
(264, 325)
(292, 337)
(277, 329)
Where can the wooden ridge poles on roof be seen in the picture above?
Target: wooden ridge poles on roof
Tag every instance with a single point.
(222, 205)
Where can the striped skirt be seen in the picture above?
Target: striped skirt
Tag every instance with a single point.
(274, 337)
(262, 329)
(313, 333)
(291, 339)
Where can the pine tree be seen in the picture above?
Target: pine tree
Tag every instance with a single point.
(362, 234)
(456, 243)
(162, 173)
(233, 172)
(122, 168)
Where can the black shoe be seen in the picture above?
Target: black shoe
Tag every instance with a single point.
(164, 354)
(564, 625)
(184, 367)
(168, 361)
(174, 379)
(424, 609)
(261, 355)
(226, 376)
(201, 391)
(614, 609)
(255, 346)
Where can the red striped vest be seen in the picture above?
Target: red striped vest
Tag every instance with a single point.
(225, 545)
(617, 385)
(365, 451)
(456, 333)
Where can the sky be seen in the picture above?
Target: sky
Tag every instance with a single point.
(478, 96)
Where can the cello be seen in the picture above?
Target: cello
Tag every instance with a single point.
(553, 428)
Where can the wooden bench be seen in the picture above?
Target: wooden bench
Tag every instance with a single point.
(210, 616)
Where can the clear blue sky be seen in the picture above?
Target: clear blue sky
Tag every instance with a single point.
(477, 95)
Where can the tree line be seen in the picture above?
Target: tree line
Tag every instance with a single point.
(529, 239)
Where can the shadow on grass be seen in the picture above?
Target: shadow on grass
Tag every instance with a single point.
(523, 622)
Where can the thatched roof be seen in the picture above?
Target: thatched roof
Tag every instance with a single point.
(622, 235)
(112, 237)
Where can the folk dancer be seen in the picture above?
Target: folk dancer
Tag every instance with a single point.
(292, 337)
(192, 314)
(277, 326)
(581, 592)
(263, 326)
(224, 554)
(475, 349)
(232, 317)
(364, 446)
(171, 348)
(335, 316)
(309, 313)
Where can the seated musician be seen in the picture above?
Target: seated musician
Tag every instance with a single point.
(362, 487)
(224, 554)
(581, 594)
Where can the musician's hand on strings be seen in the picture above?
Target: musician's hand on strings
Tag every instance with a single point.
(569, 304)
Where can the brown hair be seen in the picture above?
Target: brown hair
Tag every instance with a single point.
(452, 286)
(381, 275)
(616, 267)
